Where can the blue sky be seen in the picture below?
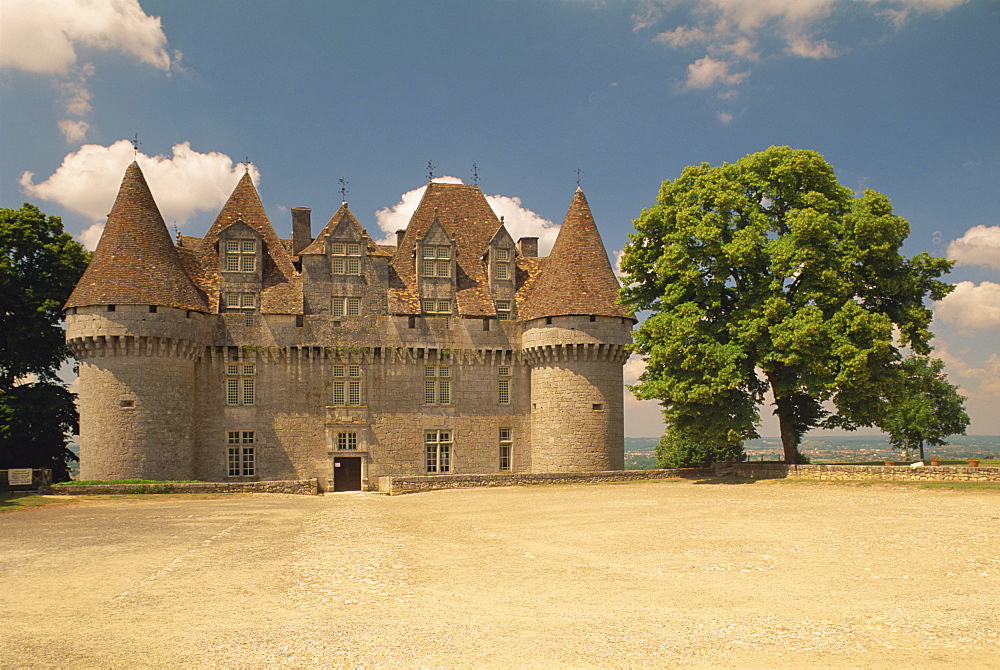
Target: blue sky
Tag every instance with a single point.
(901, 96)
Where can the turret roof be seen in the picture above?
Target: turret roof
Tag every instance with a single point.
(576, 277)
(136, 262)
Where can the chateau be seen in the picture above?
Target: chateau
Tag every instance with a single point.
(245, 356)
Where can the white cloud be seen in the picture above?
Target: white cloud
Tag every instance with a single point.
(44, 37)
(971, 307)
(708, 71)
(182, 184)
(74, 130)
(979, 246)
(734, 32)
(519, 220)
(725, 117)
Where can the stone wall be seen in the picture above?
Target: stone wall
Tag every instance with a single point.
(939, 473)
(395, 485)
(295, 487)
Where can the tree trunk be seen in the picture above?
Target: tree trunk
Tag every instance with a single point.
(906, 448)
(789, 440)
(921, 443)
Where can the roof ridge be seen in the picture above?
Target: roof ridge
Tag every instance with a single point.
(136, 262)
(331, 225)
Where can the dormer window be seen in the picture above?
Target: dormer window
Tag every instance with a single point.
(503, 309)
(436, 261)
(501, 265)
(241, 256)
(345, 258)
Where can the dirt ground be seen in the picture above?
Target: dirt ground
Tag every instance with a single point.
(641, 574)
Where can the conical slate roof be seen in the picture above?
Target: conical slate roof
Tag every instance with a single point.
(136, 262)
(576, 278)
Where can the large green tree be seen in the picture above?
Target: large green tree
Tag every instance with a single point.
(39, 266)
(767, 274)
(925, 409)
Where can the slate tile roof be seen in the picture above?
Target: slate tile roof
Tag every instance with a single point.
(576, 277)
(318, 245)
(136, 262)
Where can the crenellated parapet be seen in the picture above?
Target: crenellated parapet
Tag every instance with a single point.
(561, 353)
(102, 346)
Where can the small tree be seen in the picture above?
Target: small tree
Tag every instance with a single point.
(39, 266)
(925, 408)
(768, 274)
(676, 451)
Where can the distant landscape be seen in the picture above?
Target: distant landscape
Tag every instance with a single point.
(639, 451)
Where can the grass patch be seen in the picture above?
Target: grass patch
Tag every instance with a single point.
(14, 501)
(112, 482)
(971, 486)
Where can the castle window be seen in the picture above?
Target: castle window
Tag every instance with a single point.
(436, 261)
(347, 385)
(241, 256)
(242, 459)
(347, 441)
(240, 384)
(598, 406)
(506, 447)
(440, 308)
(437, 450)
(503, 309)
(501, 266)
(346, 306)
(345, 258)
(503, 385)
(437, 385)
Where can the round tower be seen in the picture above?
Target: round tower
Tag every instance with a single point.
(136, 323)
(574, 338)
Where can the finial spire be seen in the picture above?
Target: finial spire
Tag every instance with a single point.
(475, 174)
(430, 171)
(343, 190)
(246, 165)
(578, 172)
(135, 146)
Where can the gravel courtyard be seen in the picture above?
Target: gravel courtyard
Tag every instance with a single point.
(640, 574)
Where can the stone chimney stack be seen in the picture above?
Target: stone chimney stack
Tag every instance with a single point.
(399, 236)
(301, 229)
(528, 246)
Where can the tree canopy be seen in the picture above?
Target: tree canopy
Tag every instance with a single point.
(767, 274)
(926, 409)
(39, 266)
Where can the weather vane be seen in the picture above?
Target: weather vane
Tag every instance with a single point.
(135, 146)
(578, 172)
(475, 174)
(430, 171)
(343, 189)
(246, 165)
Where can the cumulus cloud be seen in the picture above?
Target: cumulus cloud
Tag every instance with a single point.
(182, 184)
(733, 32)
(74, 130)
(46, 38)
(519, 220)
(979, 246)
(971, 307)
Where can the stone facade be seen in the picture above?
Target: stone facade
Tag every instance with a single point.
(859, 472)
(241, 356)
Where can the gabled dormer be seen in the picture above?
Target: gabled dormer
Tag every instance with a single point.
(435, 259)
(240, 253)
(500, 268)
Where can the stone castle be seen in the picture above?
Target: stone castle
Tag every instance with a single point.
(244, 356)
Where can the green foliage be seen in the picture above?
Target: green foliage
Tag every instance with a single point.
(767, 274)
(39, 266)
(679, 452)
(925, 408)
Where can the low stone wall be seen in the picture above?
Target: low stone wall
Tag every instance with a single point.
(929, 473)
(395, 485)
(292, 486)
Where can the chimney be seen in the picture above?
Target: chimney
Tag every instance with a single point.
(399, 237)
(528, 246)
(301, 229)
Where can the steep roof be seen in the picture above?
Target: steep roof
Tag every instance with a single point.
(281, 287)
(576, 277)
(136, 262)
(318, 245)
(467, 217)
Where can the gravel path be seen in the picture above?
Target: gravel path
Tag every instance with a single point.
(772, 574)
